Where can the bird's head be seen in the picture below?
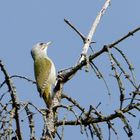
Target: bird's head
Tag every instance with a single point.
(40, 50)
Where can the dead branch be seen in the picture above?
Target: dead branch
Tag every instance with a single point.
(15, 102)
(65, 76)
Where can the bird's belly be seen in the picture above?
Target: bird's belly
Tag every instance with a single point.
(52, 76)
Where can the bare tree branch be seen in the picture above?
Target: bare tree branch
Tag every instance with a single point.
(15, 102)
(100, 119)
(69, 74)
(88, 119)
(92, 30)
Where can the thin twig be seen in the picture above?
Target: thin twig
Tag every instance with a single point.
(92, 30)
(131, 68)
(18, 76)
(23, 77)
(31, 123)
(100, 75)
(76, 30)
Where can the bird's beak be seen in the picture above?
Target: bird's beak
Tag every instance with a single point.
(48, 43)
(44, 46)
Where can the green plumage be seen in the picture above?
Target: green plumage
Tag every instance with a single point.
(42, 68)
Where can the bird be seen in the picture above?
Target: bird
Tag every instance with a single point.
(44, 72)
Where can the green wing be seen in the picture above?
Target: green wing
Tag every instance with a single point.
(42, 67)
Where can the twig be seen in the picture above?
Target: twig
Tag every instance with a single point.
(110, 126)
(100, 75)
(73, 101)
(123, 71)
(31, 104)
(92, 31)
(1, 97)
(118, 78)
(131, 68)
(58, 135)
(76, 30)
(23, 77)
(18, 76)
(31, 123)
(98, 131)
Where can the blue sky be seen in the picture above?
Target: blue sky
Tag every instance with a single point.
(24, 23)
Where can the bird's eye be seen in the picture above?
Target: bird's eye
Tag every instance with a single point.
(41, 44)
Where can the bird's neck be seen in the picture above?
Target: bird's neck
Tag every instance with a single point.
(42, 55)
